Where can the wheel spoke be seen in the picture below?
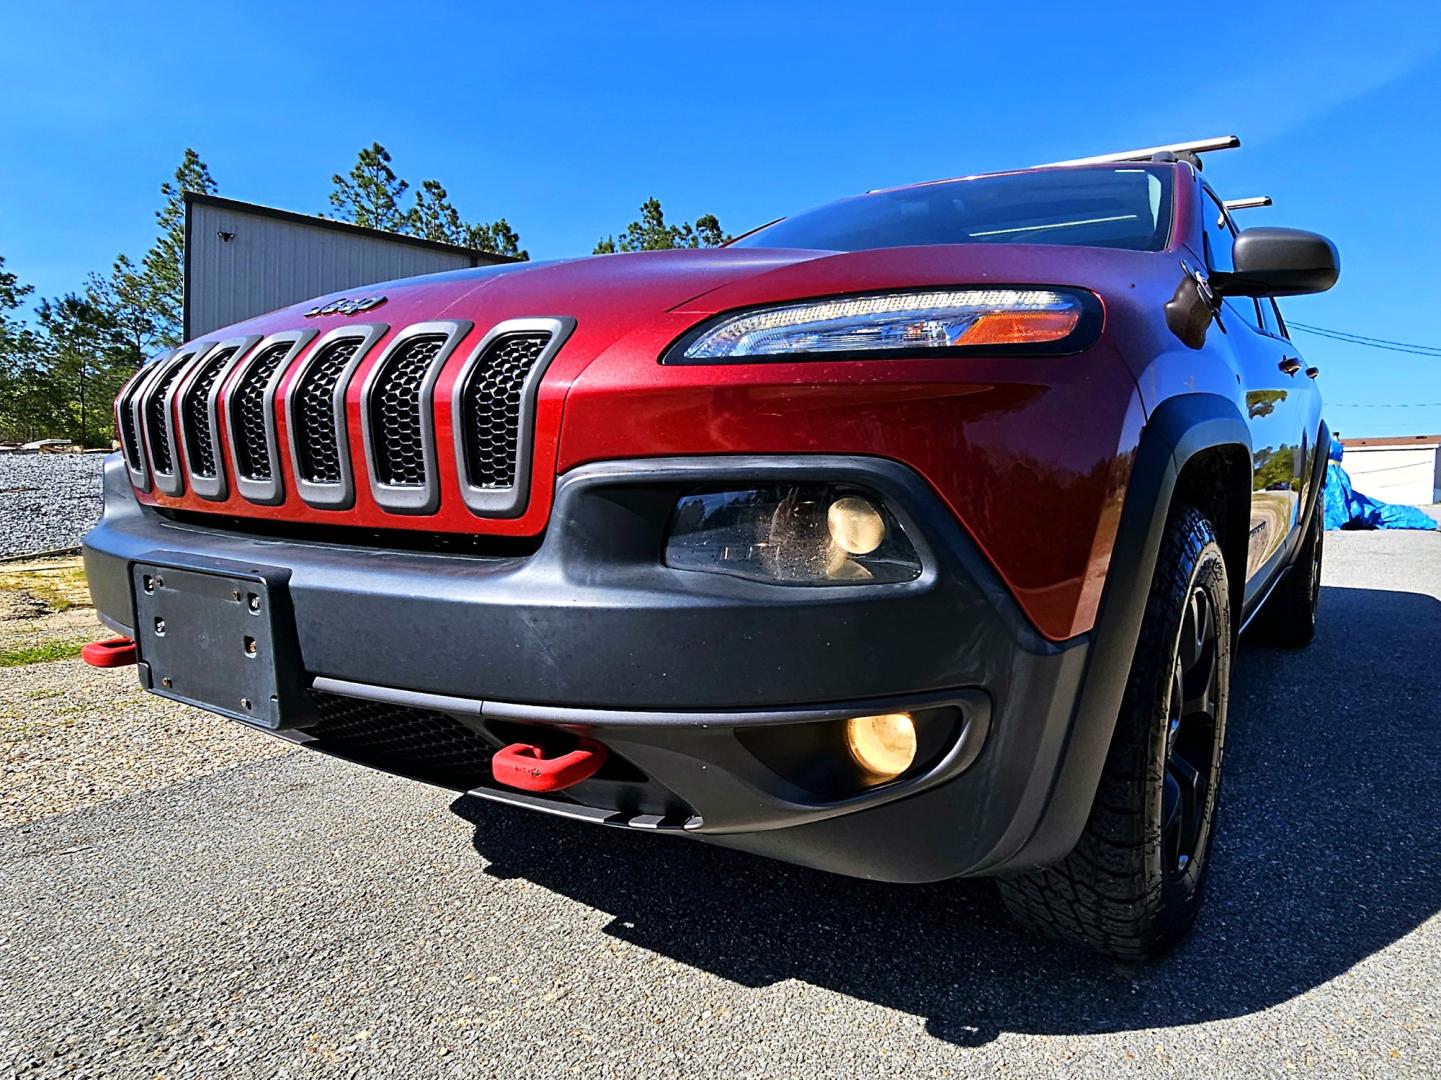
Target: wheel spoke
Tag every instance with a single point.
(1170, 820)
(1190, 787)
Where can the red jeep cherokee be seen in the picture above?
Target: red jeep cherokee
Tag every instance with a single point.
(908, 538)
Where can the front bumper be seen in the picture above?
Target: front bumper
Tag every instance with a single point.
(676, 672)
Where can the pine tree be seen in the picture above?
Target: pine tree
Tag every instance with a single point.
(159, 287)
(370, 194)
(651, 233)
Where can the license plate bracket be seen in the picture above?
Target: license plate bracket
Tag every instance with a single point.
(219, 635)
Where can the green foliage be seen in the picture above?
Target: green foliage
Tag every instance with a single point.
(1275, 468)
(652, 233)
(434, 217)
(156, 293)
(47, 653)
(87, 360)
(372, 196)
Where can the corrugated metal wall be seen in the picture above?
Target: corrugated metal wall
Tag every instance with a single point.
(243, 261)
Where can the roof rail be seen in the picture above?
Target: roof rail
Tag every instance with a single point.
(1195, 146)
(1248, 203)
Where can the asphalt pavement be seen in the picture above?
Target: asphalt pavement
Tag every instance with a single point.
(297, 916)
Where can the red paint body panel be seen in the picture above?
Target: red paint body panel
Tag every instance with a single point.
(1032, 454)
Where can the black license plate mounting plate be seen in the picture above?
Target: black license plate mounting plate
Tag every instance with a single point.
(218, 635)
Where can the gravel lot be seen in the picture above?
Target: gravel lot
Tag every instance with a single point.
(47, 501)
(298, 916)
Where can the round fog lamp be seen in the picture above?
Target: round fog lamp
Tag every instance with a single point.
(882, 745)
(856, 525)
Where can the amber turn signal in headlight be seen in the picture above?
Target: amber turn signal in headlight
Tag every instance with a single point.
(885, 745)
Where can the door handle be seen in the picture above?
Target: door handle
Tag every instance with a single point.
(1312, 372)
(1290, 365)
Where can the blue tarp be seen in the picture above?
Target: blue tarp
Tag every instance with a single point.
(1347, 508)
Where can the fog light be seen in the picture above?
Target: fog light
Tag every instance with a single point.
(884, 746)
(856, 525)
(795, 534)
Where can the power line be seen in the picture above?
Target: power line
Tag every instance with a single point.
(1370, 342)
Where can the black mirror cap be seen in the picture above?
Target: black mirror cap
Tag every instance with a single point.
(1270, 261)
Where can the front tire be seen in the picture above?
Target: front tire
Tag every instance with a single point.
(1134, 883)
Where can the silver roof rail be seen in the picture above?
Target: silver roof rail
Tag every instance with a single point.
(1195, 146)
(1248, 203)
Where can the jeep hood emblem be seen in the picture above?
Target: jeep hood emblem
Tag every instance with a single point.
(346, 306)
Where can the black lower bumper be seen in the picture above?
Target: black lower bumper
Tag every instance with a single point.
(680, 674)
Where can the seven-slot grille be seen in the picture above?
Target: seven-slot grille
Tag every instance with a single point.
(195, 413)
(317, 443)
(492, 413)
(491, 405)
(247, 413)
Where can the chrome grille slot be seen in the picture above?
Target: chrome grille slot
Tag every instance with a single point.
(129, 433)
(157, 432)
(247, 414)
(491, 404)
(397, 405)
(313, 413)
(195, 414)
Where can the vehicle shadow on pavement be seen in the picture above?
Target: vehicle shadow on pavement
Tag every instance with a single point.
(1326, 854)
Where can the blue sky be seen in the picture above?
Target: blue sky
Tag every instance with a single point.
(564, 117)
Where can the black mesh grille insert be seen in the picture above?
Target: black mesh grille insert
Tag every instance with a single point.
(491, 405)
(426, 745)
(129, 436)
(155, 433)
(395, 412)
(195, 415)
(247, 413)
(313, 414)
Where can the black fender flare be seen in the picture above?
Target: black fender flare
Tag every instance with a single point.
(1180, 429)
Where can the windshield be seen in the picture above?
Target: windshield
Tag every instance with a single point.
(1123, 207)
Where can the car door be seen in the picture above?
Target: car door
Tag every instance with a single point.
(1269, 369)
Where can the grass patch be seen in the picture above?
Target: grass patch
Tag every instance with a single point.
(47, 653)
(58, 584)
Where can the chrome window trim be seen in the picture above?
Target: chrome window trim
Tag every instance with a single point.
(171, 482)
(339, 496)
(207, 487)
(425, 498)
(124, 403)
(272, 491)
(506, 502)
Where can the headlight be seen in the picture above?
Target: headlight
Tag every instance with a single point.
(1004, 321)
(796, 534)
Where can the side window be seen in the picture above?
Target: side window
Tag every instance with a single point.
(1219, 233)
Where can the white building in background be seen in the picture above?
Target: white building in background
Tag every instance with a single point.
(1403, 469)
(243, 260)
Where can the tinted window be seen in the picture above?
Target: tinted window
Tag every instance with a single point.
(1091, 207)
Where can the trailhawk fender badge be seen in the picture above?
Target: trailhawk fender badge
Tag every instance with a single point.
(346, 306)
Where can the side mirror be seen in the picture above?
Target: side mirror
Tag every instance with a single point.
(1278, 262)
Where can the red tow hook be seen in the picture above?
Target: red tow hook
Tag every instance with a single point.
(523, 766)
(112, 652)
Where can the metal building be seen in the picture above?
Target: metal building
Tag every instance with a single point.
(242, 260)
